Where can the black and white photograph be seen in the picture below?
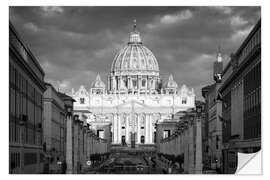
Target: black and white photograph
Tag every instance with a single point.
(133, 89)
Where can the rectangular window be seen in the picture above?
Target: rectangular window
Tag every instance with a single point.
(11, 73)
(142, 139)
(12, 101)
(12, 130)
(21, 83)
(259, 95)
(16, 78)
(166, 133)
(256, 97)
(24, 86)
(248, 104)
(184, 100)
(100, 133)
(18, 104)
(126, 83)
(143, 83)
(252, 101)
(24, 105)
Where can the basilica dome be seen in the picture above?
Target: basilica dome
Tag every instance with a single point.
(135, 58)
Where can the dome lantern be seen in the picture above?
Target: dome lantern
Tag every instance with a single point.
(134, 36)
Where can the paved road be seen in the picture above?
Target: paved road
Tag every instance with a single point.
(128, 163)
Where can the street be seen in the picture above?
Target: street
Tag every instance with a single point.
(128, 163)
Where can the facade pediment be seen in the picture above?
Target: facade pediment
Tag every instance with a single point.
(82, 92)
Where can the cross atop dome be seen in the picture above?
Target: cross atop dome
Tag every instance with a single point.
(134, 25)
(98, 77)
(135, 37)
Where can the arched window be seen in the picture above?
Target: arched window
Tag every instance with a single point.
(82, 100)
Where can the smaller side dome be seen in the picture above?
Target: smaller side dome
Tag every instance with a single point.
(171, 82)
(98, 83)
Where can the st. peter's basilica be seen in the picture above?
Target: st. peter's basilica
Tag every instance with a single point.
(135, 98)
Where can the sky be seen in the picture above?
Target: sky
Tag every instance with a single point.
(74, 44)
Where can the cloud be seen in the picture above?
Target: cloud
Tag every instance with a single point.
(73, 44)
(31, 27)
(170, 19)
(223, 9)
(51, 10)
(62, 86)
(241, 34)
(238, 21)
(176, 18)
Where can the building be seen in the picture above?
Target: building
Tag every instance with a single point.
(134, 99)
(26, 87)
(241, 97)
(213, 124)
(54, 129)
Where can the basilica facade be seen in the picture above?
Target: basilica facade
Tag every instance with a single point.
(135, 98)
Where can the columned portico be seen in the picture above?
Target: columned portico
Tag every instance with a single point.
(140, 120)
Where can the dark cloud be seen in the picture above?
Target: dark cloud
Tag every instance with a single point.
(73, 44)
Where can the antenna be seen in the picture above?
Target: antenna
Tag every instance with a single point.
(219, 57)
(134, 25)
(219, 49)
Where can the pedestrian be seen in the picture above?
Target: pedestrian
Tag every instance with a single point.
(64, 167)
(169, 170)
